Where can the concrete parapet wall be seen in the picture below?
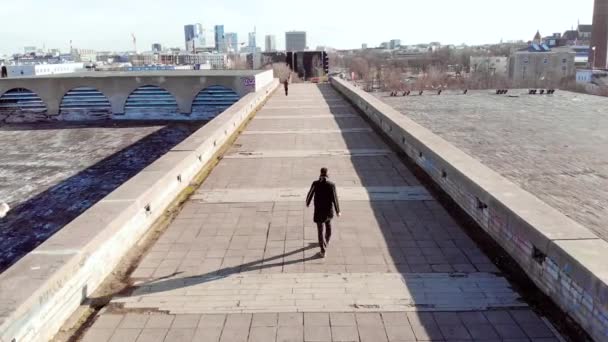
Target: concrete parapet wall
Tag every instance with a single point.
(564, 259)
(45, 287)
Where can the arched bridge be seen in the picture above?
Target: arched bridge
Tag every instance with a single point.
(130, 95)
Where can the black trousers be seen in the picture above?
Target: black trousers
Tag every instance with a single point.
(324, 240)
(286, 91)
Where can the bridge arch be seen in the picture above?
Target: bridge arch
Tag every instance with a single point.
(85, 103)
(22, 105)
(213, 100)
(150, 102)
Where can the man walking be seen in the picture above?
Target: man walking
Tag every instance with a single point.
(326, 199)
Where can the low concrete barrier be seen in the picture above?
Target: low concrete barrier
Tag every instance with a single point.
(565, 260)
(40, 292)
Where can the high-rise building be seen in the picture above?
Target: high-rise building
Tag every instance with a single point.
(208, 39)
(156, 47)
(599, 35)
(220, 43)
(295, 41)
(188, 36)
(194, 37)
(271, 43)
(232, 42)
(395, 44)
(252, 43)
(363, 46)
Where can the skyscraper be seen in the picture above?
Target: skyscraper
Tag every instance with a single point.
(271, 44)
(252, 43)
(220, 43)
(295, 41)
(232, 42)
(208, 38)
(193, 35)
(599, 35)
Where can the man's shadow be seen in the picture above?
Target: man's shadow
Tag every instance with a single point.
(169, 283)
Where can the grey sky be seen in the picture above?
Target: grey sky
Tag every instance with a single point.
(108, 24)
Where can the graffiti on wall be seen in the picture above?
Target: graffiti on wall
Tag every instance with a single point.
(248, 82)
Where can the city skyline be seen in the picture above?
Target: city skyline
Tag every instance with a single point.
(466, 21)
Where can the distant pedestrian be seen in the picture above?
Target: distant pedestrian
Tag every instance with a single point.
(286, 86)
(326, 199)
(4, 72)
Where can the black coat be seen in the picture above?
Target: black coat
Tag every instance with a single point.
(326, 199)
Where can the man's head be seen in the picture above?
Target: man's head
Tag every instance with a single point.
(324, 172)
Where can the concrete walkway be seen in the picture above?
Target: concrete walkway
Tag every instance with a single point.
(240, 261)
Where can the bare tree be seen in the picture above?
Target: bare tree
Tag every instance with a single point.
(420, 83)
(436, 77)
(360, 67)
(391, 79)
(280, 71)
(336, 60)
(238, 63)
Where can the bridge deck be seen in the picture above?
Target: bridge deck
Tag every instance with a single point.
(240, 262)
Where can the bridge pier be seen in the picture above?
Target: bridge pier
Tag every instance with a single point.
(117, 102)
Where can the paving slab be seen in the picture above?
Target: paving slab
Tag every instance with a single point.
(242, 255)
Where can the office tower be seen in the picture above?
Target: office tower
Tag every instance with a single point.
(220, 42)
(252, 43)
(271, 43)
(232, 42)
(295, 41)
(194, 38)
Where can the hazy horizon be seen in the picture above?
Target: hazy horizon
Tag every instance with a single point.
(342, 25)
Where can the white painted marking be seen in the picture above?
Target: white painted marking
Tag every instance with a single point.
(307, 99)
(310, 131)
(304, 116)
(308, 153)
(253, 195)
(324, 292)
(306, 107)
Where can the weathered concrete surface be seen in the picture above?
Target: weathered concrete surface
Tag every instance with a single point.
(498, 325)
(51, 173)
(546, 244)
(224, 255)
(117, 86)
(40, 291)
(552, 146)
